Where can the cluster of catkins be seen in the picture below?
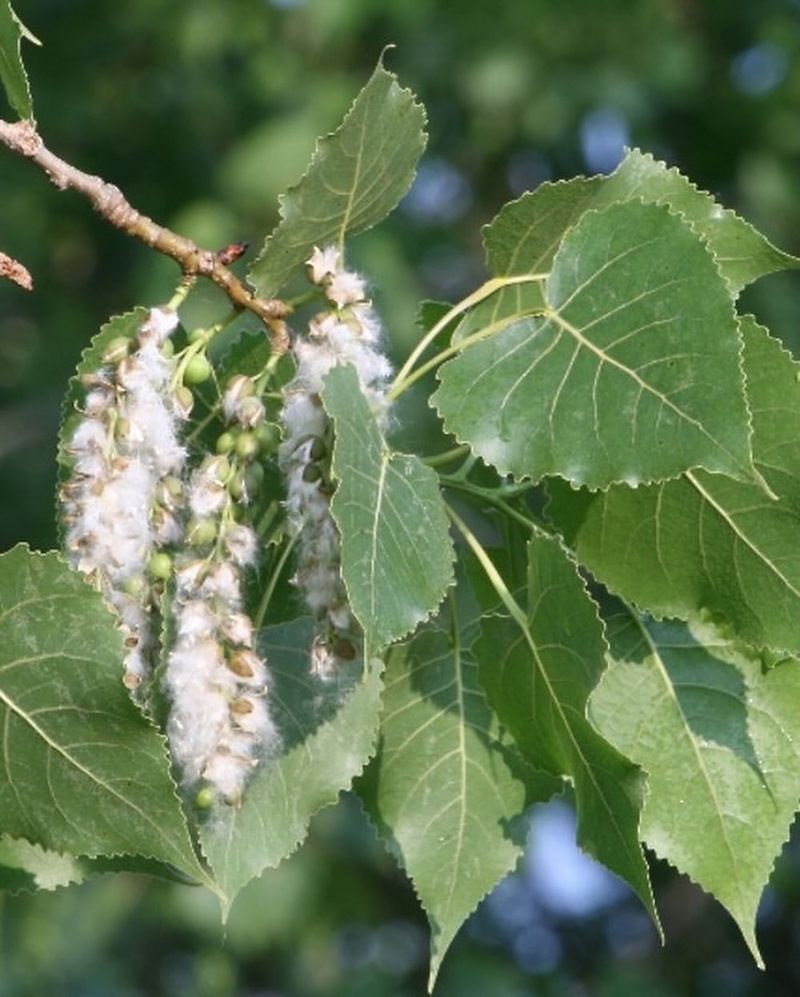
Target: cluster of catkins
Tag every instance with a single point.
(137, 516)
(121, 504)
(130, 501)
(348, 331)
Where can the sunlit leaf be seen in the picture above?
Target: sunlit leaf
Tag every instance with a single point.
(704, 544)
(397, 557)
(356, 177)
(632, 375)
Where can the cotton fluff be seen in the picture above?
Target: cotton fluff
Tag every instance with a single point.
(348, 332)
(219, 724)
(122, 450)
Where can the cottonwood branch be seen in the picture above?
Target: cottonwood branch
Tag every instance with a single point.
(109, 201)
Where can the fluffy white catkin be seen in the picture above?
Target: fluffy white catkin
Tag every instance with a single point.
(120, 504)
(348, 332)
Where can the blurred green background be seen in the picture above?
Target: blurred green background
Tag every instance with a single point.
(203, 112)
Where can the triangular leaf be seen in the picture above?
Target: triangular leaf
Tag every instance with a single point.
(12, 71)
(83, 771)
(328, 732)
(718, 739)
(632, 375)
(703, 544)
(444, 792)
(397, 556)
(356, 177)
(741, 252)
(538, 666)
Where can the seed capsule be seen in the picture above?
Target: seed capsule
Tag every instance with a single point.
(197, 370)
(246, 446)
(160, 566)
(225, 442)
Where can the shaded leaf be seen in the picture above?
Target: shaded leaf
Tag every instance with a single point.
(83, 771)
(328, 732)
(28, 867)
(12, 71)
(704, 544)
(538, 666)
(633, 374)
(718, 739)
(397, 556)
(356, 177)
(444, 792)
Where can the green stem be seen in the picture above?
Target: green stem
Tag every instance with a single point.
(495, 578)
(484, 291)
(492, 498)
(398, 387)
(261, 612)
(437, 460)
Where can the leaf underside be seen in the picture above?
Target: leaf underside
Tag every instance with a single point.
(444, 792)
(718, 738)
(538, 677)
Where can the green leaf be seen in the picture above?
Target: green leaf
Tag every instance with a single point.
(538, 666)
(742, 253)
(633, 375)
(126, 325)
(12, 71)
(83, 771)
(444, 792)
(705, 545)
(718, 739)
(328, 732)
(24, 866)
(355, 178)
(397, 556)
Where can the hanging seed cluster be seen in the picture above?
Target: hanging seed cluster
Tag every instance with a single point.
(348, 331)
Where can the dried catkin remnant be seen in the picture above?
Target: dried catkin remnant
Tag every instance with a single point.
(219, 725)
(124, 498)
(348, 332)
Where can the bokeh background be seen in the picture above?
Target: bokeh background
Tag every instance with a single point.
(203, 113)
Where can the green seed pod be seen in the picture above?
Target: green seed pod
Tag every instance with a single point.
(194, 334)
(174, 486)
(225, 442)
(240, 386)
(197, 370)
(160, 566)
(254, 476)
(318, 450)
(311, 473)
(168, 348)
(237, 486)
(116, 350)
(184, 400)
(205, 799)
(246, 446)
(135, 585)
(200, 531)
(268, 436)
